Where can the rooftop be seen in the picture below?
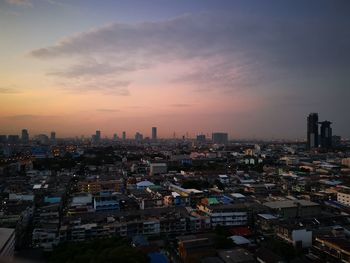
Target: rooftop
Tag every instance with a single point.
(5, 234)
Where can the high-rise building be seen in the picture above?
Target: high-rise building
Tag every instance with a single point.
(154, 133)
(53, 136)
(336, 141)
(138, 137)
(326, 134)
(312, 130)
(201, 138)
(124, 135)
(25, 136)
(98, 136)
(13, 139)
(3, 138)
(115, 137)
(220, 137)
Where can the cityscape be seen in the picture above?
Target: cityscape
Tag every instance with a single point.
(212, 131)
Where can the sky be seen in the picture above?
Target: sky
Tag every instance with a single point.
(252, 68)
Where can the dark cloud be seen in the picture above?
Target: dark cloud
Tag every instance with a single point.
(92, 67)
(180, 105)
(9, 90)
(105, 86)
(269, 55)
(250, 49)
(28, 117)
(108, 110)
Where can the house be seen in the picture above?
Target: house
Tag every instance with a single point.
(294, 208)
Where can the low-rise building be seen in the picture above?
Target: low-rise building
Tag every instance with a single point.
(7, 243)
(294, 208)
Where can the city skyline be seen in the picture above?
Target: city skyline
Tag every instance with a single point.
(251, 69)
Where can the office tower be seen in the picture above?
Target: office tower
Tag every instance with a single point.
(3, 138)
(336, 141)
(154, 133)
(53, 136)
(98, 136)
(326, 134)
(25, 136)
(312, 130)
(201, 138)
(138, 137)
(13, 139)
(42, 139)
(124, 135)
(115, 137)
(220, 138)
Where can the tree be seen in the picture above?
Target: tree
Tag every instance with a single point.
(98, 251)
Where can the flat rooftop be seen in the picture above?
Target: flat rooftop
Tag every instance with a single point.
(5, 234)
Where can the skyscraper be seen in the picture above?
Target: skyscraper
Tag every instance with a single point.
(312, 130)
(25, 136)
(326, 134)
(201, 138)
(53, 136)
(98, 136)
(138, 137)
(154, 133)
(220, 137)
(124, 135)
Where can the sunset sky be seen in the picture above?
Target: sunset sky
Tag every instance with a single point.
(254, 69)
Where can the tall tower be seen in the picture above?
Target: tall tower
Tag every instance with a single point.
(98, 136)
(25, 136)
(124, 135)
(53, 136)
(312, 130)
(154, 133)
(326, 134)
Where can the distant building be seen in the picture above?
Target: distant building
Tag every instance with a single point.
(236, 255)
(53, 136)
(3, 138)
(191, 250)
(98, 136)
(332, 249)
(312, 131)
(96, 186)
(201, 138)
(158, 168)
(346, 162)
(326, 134)
(224, 215)
(298, 236)
(25, 136)
(144, 184)
(138, 137)
(42, 139)
(154, 133)
(13, 139)
(343, 197)
(106, 201)
(124, 136)
(336, 140)
(294, 208)
(220, 138)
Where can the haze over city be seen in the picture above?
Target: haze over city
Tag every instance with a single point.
(254, 69)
